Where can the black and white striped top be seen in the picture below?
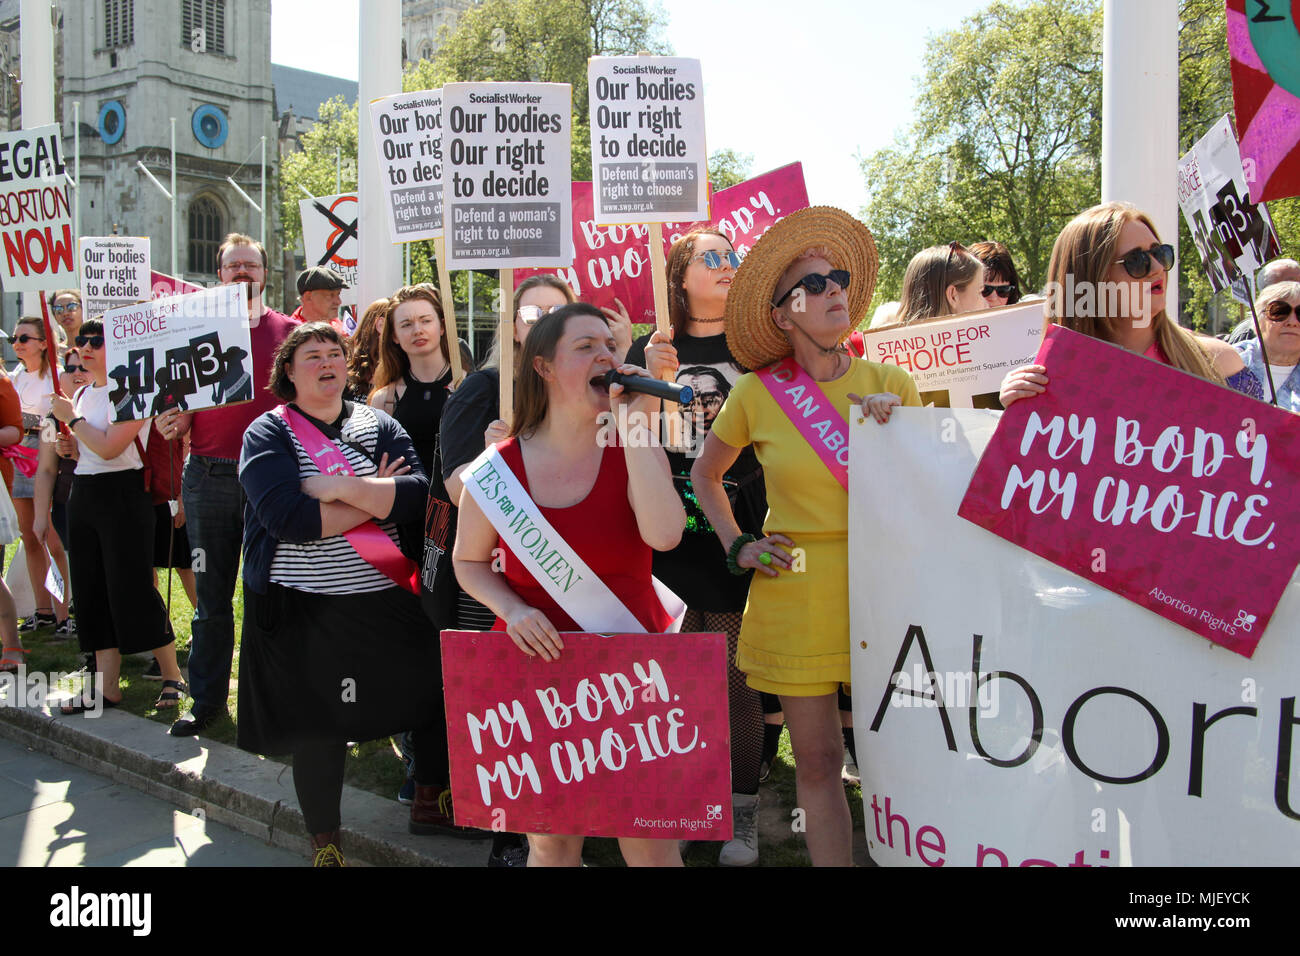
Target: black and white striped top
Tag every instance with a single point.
(332, 565)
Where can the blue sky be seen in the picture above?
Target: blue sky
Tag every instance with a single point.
(817, 85)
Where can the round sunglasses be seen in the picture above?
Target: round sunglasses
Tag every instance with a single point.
(1138, 262)
(531, 314)
(713, 260)
(1279, 311)
(815, 284)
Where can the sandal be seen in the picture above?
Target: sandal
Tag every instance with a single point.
(12, 659)
(86, 705)
(171, 698)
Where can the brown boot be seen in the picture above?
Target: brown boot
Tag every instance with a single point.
(431, 813)
(325, 847)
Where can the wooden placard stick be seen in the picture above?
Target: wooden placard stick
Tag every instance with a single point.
(448, 309)
(506, 336)
(673, 435)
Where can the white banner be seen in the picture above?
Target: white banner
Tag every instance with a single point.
(1077, 728)
(36, 242)
(959, 362)
(329, 237)
(506, 180)
(114, 272)
(408, 141)
(187, 351)
(1233, 235)
(649, 161)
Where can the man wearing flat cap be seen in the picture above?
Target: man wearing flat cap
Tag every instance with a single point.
(319, 289)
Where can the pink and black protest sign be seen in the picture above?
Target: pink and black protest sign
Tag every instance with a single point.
(613, 262)
(625, 735)
(1178, 494)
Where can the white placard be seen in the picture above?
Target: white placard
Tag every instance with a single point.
(114, 272)
(37, 248)
(329, 237)
(959, 362)
(189, 351)
(1078, 728)
(407, 132)
(506, 179)
(649, 161)
(1233, 235)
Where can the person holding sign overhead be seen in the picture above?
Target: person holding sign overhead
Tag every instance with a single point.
(607, 507)
(1109, 257)
(700, 269)
(794, 301)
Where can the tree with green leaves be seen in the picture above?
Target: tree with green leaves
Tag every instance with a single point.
(1006, 141)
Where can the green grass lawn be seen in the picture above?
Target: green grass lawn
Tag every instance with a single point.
(375, 765)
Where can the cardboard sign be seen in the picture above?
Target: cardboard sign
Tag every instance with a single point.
(114, 272)
(1178, 494)
(1234, 236)
(36, 241)
(649, 162)
(1010, 713)
(624, 735)
(506, 179)
(186, 351)
(1264, 45)
(407, 132)
(614, 261)
(329, 237)
(960, 362)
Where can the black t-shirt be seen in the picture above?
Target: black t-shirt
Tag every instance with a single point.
(419, 411)
(468, 412)
(697, 568)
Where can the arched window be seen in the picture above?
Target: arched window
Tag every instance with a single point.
(206, 233)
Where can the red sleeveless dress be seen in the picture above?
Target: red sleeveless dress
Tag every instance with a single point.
(602, 529)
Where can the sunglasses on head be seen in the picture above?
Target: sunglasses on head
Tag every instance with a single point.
(815, 284)
(1003, 291)
(94, 341)
(25, 338)
(1281, 311)
(1138, 262)
(532, 313)
(714, 260)
(66, 307)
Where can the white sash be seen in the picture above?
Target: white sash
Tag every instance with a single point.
(548, 557)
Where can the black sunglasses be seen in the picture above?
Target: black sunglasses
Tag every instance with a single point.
(74, 369)
(815, 283)
(1279, 312)
(1138, 262)
(25, 338)
(94, 341)
(1001, 290)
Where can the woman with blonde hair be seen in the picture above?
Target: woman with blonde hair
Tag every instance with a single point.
(1107, 279)
(942, 280)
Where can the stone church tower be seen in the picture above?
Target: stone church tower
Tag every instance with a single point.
(133, 64)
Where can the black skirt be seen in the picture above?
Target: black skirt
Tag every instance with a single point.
(167, 538)
(327, 667)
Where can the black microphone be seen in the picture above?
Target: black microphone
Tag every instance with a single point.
(681, 394)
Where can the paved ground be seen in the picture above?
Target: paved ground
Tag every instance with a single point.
(55, 814)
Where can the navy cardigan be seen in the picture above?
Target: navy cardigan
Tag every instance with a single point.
(276, 509)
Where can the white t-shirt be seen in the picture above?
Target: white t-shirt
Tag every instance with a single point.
(92, 403)
(1280, 374)
(33, 391)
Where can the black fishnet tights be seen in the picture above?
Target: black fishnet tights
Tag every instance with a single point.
(746, 716)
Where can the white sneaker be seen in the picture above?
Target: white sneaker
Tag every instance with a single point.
(742, 849)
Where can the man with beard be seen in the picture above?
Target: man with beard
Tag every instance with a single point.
(210, 491)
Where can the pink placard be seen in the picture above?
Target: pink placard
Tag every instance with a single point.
(614, 261)
(1178, 494)
(624, 735)
(164, 285)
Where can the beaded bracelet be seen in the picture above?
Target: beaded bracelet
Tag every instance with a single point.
(734, 553)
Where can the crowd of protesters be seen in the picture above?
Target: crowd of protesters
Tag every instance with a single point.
(340, 485)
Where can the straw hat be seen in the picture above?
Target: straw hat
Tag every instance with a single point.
(752, 336)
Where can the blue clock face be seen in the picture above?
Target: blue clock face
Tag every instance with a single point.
(112, 122)
(210, 126)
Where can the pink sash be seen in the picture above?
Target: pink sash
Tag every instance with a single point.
(811, 412)
(371, 543)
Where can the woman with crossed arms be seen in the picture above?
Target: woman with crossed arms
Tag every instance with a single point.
(798, 294)
(612, 505)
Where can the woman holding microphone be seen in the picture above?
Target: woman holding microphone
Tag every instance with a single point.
(611, 506)
(795, 299)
